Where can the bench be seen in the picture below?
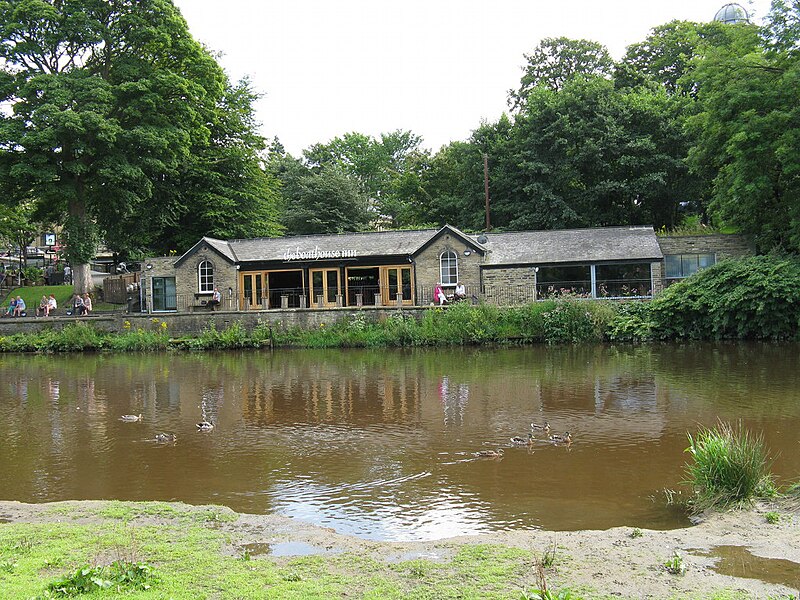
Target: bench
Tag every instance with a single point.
(202, 305)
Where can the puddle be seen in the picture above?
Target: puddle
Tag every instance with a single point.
(737, 561)
(285, 549)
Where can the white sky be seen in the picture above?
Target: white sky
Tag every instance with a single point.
(435, 67)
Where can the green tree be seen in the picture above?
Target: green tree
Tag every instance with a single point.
(555, 61)
(747, 130)
(113, 110)
(386, 170)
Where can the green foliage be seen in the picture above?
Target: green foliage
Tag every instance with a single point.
(772, 517)
(675, 565)
(750, 298)
(631, 323)
(576, 321)
(729, 467)
(635, 533)
(119, 576)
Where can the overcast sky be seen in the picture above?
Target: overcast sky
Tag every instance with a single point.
(435, 67)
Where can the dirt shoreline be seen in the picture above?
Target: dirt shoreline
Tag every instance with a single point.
(608, 563)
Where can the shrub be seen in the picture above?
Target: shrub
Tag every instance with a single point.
(729, 467)
(750, 298)
(570, 321)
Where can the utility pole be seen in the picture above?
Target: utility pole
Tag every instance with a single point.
(486, 188)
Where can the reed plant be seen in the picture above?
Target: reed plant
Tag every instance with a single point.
(730, 467)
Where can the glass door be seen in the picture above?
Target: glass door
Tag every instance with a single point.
(164, 296)
(394, 281)
(325, 285)
(252, 290)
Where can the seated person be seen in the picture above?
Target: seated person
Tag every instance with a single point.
(43, 307)
(51, 304)
(12, 304)
(87, 303)
(19, 308)
(216, 298)
(77, 305)
(439, 295)
(460, 291)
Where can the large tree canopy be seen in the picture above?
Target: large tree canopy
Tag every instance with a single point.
(116, 118)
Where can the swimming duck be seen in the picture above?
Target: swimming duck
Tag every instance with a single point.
(131, 418)
(489, 453)
(205, 426)
(545, 427)
(521, 441)
(166, 437)
(562, 439)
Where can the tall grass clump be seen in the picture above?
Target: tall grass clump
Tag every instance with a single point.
(749, 298)
(575, 321)
(729, 467)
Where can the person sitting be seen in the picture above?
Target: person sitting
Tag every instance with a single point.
(439, 295)
(87, 303)
(19, 308)
(77, 305)
(42, 309)
(460, 292)
(216, 299)
(12, 305)
(52, 304)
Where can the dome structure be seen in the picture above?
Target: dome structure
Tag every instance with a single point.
(732, 14)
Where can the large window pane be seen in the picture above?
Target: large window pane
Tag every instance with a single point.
(449, 268)
(623, 281)
(560, 281)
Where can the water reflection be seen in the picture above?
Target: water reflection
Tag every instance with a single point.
(380, 444)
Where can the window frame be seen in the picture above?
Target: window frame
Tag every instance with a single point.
(205, 282)
(448, 265)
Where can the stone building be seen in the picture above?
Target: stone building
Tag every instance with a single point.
(402, 268)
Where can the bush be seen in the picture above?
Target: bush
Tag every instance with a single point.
(729, 467)
(750, 298)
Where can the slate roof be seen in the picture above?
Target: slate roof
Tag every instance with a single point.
(572, 246)
(372, 243)
(519, 247)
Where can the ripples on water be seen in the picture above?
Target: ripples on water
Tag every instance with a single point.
(381, 444)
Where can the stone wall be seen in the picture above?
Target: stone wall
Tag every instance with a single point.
(187, 280)
(428, 273)
(723, 245)
(509, 285)
(193, 323)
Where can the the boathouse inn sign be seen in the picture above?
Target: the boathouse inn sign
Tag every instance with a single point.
(317, 254)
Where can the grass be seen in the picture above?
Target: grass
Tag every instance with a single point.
(190, 558)
(730, 467)
(33, 294)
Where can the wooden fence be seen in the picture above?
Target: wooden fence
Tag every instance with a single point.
(117, 288)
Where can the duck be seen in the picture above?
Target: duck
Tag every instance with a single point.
(489, 453)
(205, 426)
(131, 418)
(521, 441)
(545, 427)
(562, 439)
(166, 437)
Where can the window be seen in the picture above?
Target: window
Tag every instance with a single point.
(164, 296)
(561, 281)
(205, 274)
(623, 281)
(448, 267)
(678, 266)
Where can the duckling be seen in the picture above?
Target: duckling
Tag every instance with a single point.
(166, 437)
(489, 453)
(562, 439)
(521, 441)
(131, 418)
(205, 426)
(545, 427)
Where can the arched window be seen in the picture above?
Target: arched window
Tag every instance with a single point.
(205, 277)
(448, 267)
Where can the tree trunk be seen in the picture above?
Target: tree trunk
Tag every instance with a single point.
(82, 279)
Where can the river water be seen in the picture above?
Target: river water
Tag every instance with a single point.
(381, 443)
